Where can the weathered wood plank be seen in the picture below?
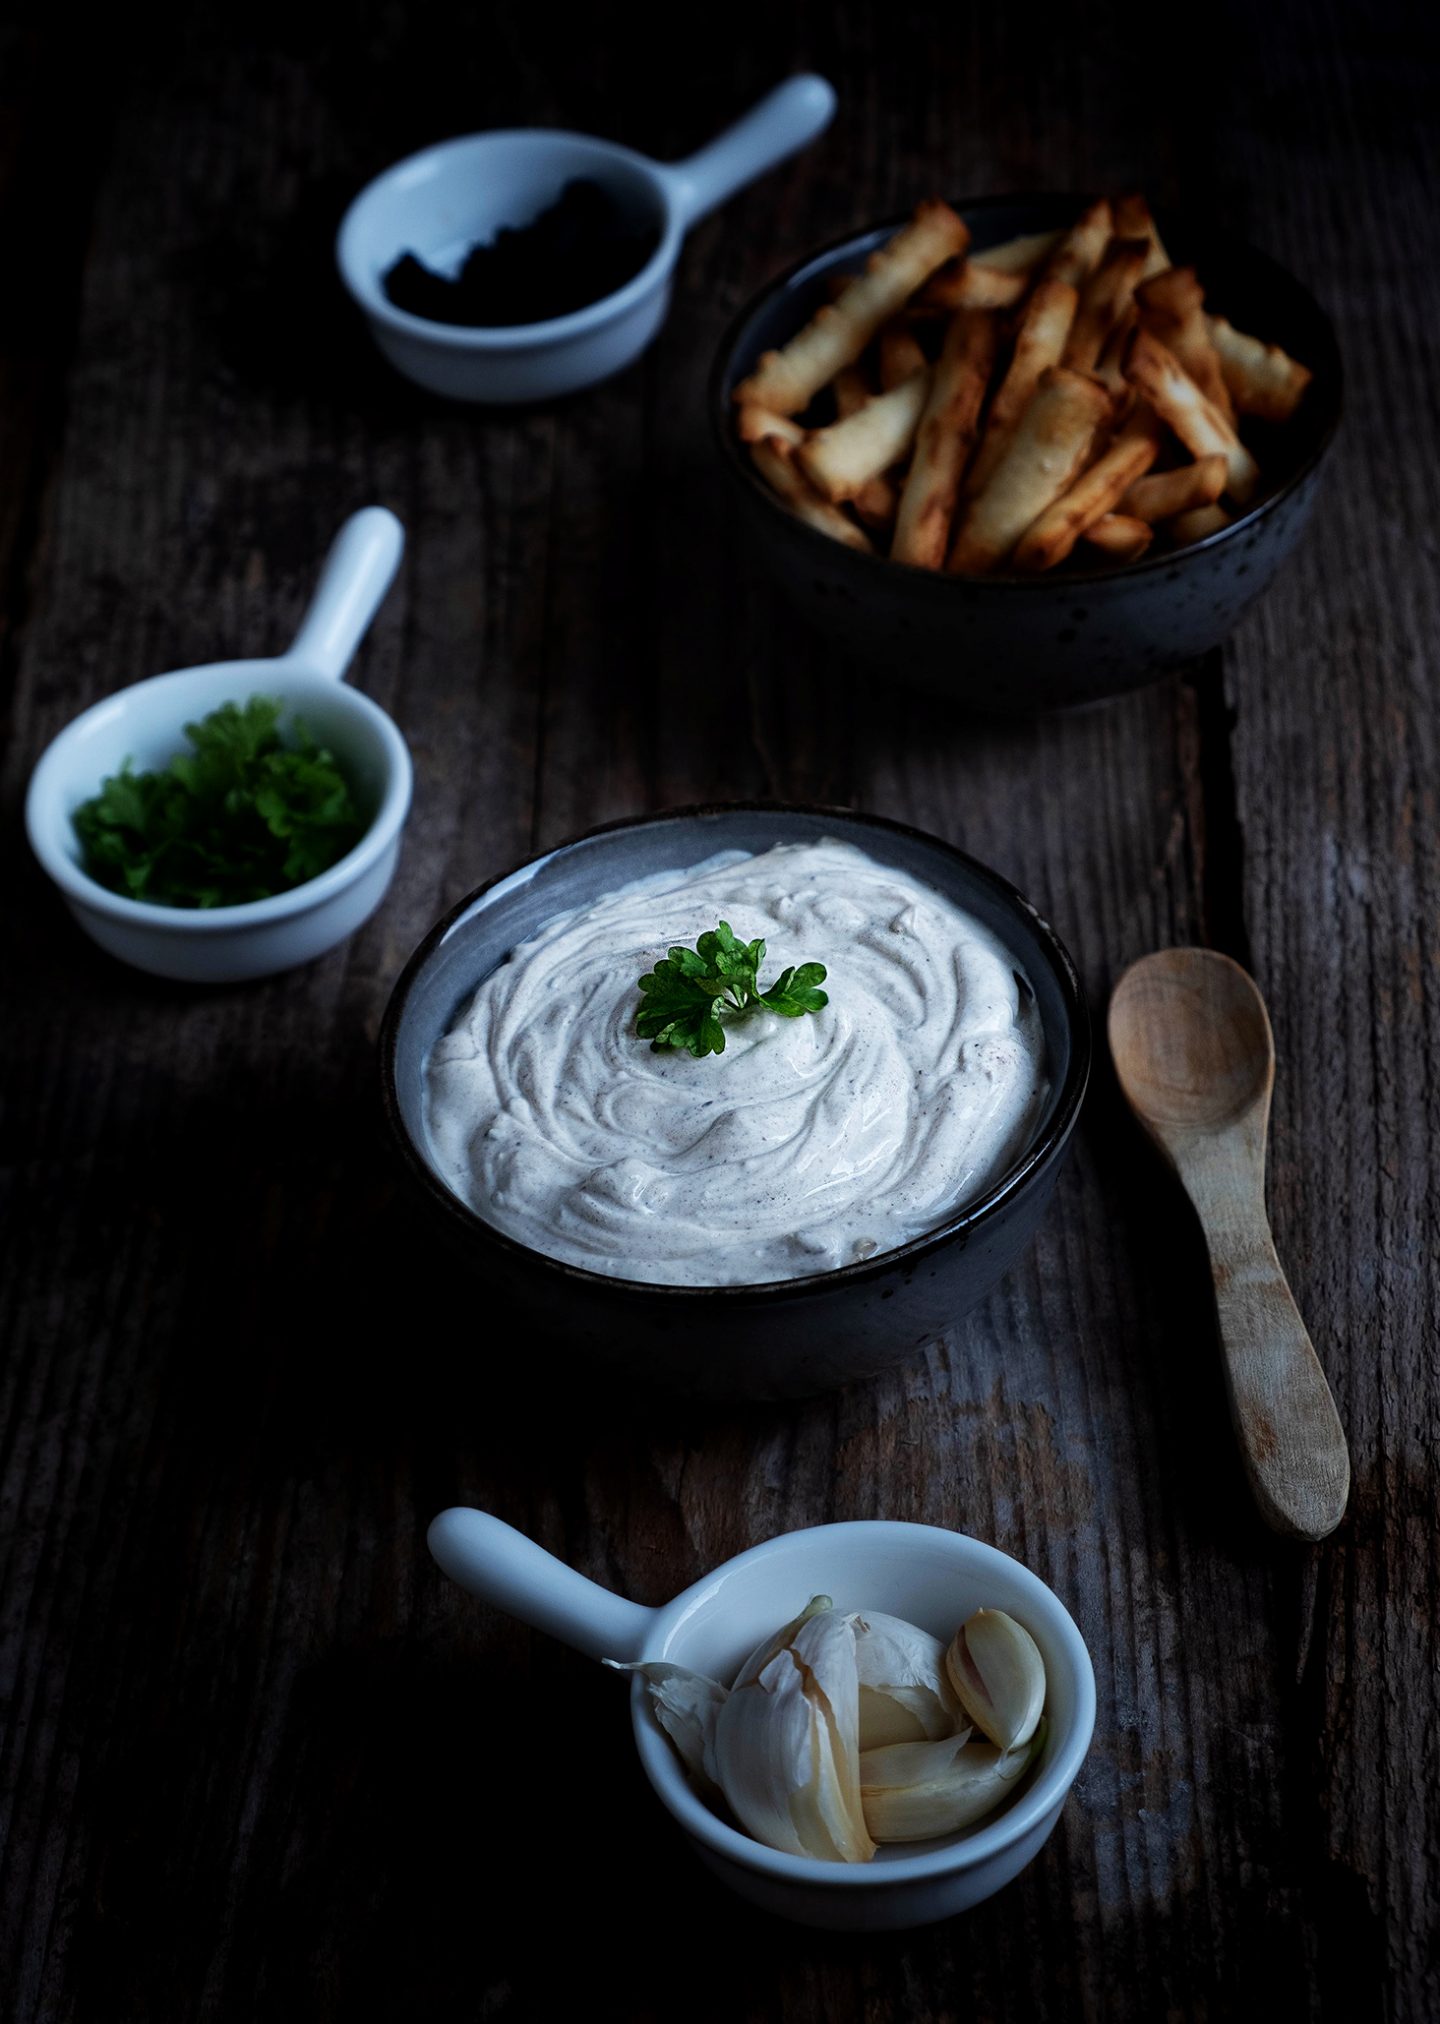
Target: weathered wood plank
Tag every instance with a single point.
(1335, 753)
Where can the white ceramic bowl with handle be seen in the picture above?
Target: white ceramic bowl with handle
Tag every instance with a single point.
(145, 724)
(927, 1575)
(440, 202)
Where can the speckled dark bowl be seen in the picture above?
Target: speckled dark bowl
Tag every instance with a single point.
(797, 1335)
(1008, 643)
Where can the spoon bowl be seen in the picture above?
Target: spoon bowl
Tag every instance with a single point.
(1191, 1039)
(440, 202)
(145, 724)
(928, 1575)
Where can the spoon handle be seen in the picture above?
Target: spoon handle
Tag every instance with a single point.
(1285, 1417)
(786, 120)
(358, 571)
(512, 1573)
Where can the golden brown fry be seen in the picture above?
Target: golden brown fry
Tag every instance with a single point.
(1046, 453)
(1078, 254)
(1171, 307)
(775, 461)
(1119, 538)
(755, 424)
(968, 284)
(900, 355)
(1263, 380)
(1133, 221)
(1197, 422)
(1104, 301)
(1039, 343)
(851, 390)
(841, 460)
(944, 440)
(876, 505)
(1050, 538)
(1108, 365)
(1165, 493)
(1019, 256)
(786, 381)
(1186, 527)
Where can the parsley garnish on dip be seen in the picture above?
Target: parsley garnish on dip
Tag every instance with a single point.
(809, 1143)
(689, 997)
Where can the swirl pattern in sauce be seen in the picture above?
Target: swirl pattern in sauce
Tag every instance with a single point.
(809, 1143)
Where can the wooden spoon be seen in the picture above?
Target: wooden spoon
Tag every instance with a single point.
(1196, 1059)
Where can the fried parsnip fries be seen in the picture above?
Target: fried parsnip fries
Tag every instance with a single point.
(1065, 393)
(788, 380)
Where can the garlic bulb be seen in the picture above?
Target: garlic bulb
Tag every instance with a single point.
(998, 1675)
(787, 1743)
(914, 1791)
(905, 1696)
(686, 1705)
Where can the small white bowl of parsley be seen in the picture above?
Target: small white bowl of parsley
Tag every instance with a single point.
(233, 820)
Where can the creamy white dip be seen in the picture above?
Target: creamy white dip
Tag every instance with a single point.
(808, 1143)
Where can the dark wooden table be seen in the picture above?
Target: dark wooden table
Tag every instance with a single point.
(261, 1761)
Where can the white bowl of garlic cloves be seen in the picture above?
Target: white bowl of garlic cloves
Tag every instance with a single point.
(862, 1726)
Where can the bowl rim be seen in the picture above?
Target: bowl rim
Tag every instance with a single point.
(1043, 1149)
(499, 339)
(44, 793)
(721, 411)
(1046, 1789)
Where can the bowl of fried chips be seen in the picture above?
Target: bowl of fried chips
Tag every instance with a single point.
(1024, 452)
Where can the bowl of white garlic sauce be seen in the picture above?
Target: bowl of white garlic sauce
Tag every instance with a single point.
(949, 1695)
(812, 1202)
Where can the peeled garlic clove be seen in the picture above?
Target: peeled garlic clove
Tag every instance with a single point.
(998, 1675)
(787, 1745)
(905, 1696)
(686, 1705)
(914, 1791)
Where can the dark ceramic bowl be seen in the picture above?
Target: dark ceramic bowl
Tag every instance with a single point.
(1003, 643)
(797, 1335)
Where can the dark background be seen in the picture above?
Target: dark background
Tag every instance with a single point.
(259, 1760)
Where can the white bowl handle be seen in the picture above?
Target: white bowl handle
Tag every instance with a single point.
(503, 1567)
(358, 571)
(785, 121)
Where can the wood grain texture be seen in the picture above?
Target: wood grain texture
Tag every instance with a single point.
(245, 1719)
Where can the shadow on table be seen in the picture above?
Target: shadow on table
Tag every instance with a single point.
(347, 1336)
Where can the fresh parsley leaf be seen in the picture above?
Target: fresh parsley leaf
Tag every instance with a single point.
(240, 816)
(794, 991)
(686, 994)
